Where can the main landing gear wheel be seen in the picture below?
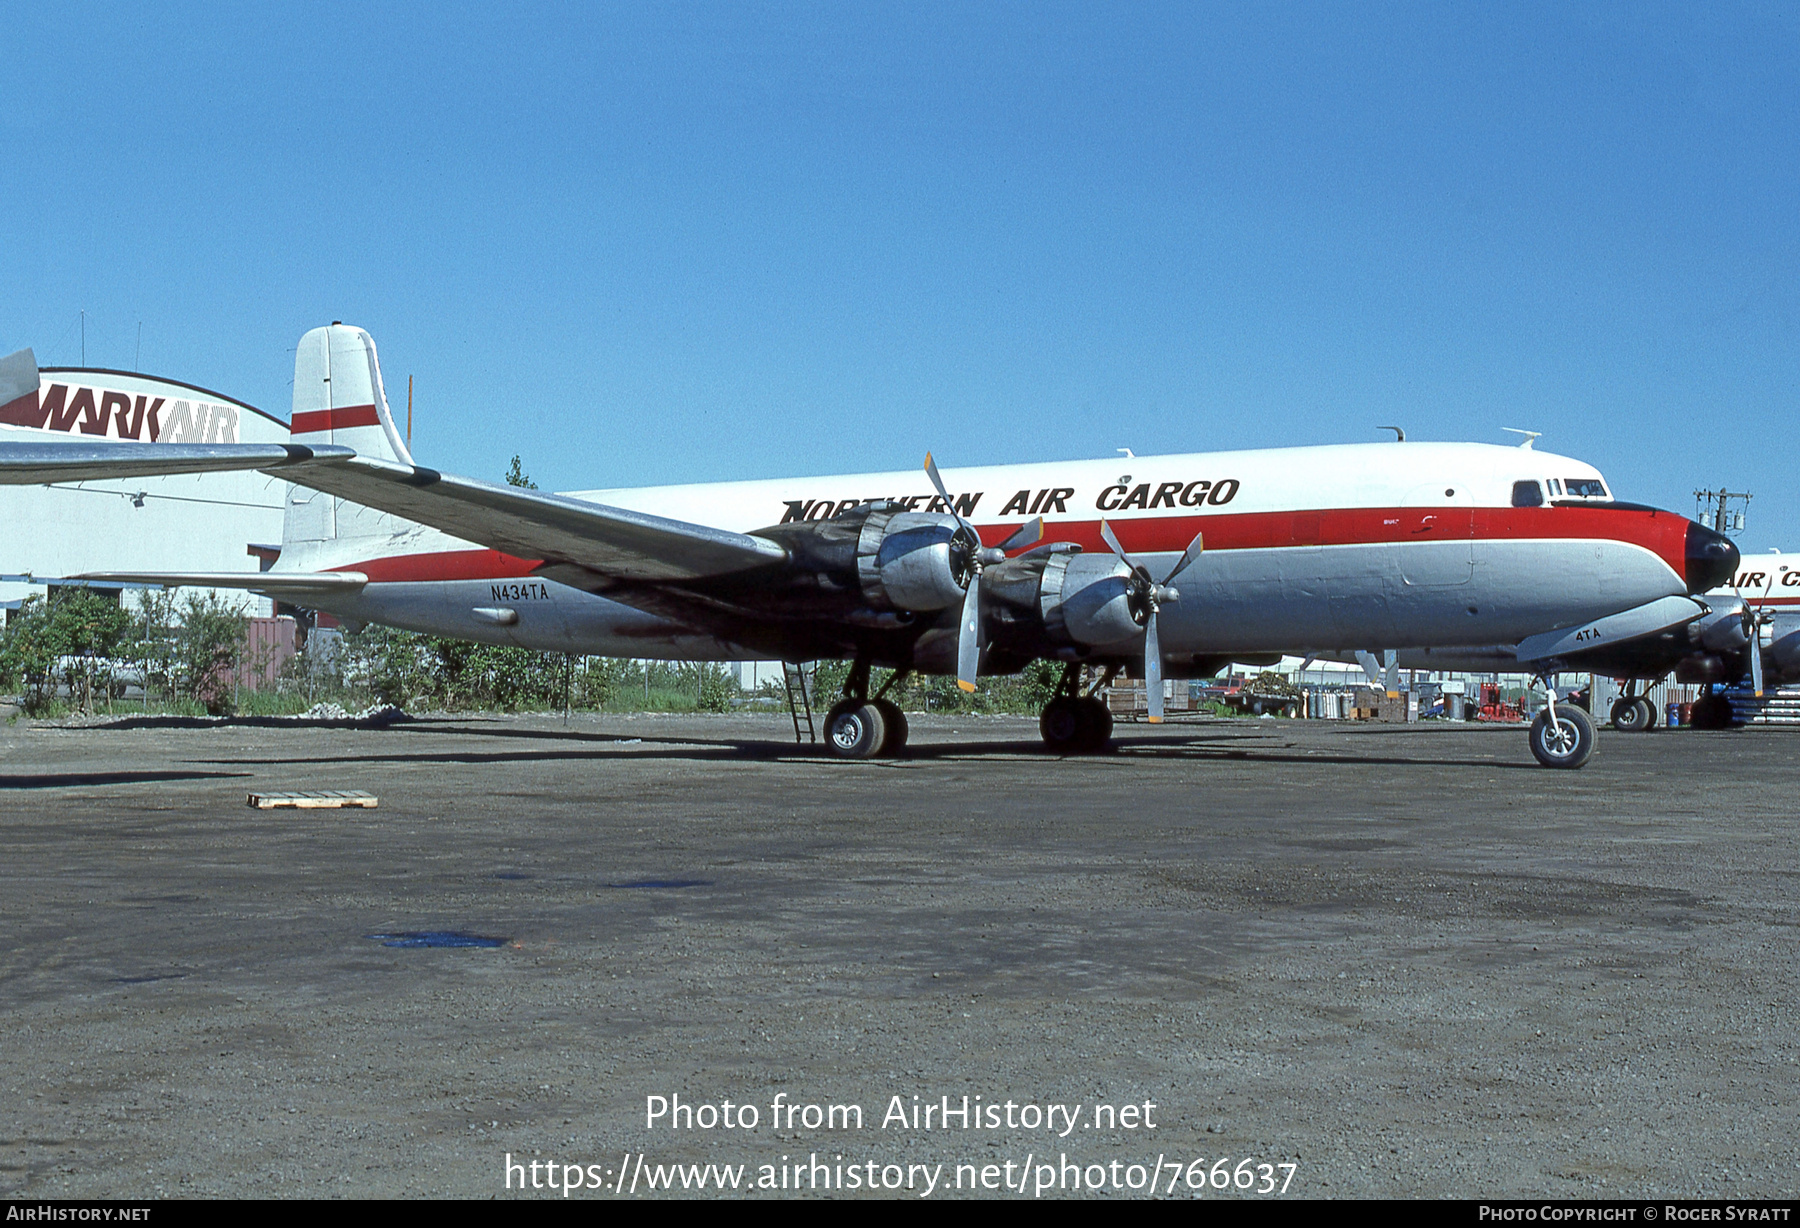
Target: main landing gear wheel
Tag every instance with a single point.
(1711, 712)
(1100, 722)
(1633, 714)
(894, 722)
(1075, 725)
(854, 729)
(1568, 743)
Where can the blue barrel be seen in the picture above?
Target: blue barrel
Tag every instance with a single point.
(1674, 716)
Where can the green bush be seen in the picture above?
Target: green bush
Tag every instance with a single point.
(71, 638)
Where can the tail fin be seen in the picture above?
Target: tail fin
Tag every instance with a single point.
(338, 397)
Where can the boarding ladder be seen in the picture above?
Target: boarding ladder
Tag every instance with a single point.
(794, 677)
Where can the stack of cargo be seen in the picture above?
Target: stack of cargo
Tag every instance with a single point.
(1778, 706)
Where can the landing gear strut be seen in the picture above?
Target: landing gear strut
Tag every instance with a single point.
(858, 727)
(1073, 723)
(1561, 737)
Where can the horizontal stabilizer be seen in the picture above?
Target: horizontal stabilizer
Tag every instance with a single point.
(33, 464)
(1570, 642)
(274, 583)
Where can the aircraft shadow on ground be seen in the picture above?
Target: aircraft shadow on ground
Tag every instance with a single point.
(77, 780)
(580, 745)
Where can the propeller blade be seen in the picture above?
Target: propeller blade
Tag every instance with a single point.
(1187, 557)
(1756, 664)
(968, 635)
(937, 481)
(1153, 680)
(1112, 539)
(1028, 534)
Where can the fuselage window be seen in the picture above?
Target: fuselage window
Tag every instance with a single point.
(1586, 488)
(1527, 494)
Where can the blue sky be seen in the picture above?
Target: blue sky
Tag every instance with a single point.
(663, 243)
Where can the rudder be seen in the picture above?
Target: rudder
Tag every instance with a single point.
(338, 399)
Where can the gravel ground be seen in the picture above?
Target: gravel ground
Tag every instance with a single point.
(1405, 961)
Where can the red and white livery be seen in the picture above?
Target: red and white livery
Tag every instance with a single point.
(1164, 565)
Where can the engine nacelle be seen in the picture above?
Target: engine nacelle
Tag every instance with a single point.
(908, 561)
(1700, 669)
(1782, 660)
(1086, 600)
(1048, 604)
(1724, 630)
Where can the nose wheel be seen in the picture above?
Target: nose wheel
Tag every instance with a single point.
(1562, 737)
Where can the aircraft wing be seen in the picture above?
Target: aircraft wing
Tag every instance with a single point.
(273, 583)
(527, 524)
(33, 464)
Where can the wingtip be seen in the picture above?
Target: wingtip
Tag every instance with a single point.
(967, 686)
(1156, 720)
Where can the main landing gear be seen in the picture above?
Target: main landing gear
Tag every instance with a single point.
(858, 727)
(1073, 723)
(1633, 713)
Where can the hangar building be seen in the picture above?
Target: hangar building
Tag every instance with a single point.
(203, 522)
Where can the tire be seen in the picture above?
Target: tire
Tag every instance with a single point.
(1570, 744)
(1711, 712)
(1650, 721)
(1063, 726)
(1633, 715)
(893, 745)
(1098, 725)
(854, 729)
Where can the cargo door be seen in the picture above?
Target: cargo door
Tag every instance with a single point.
(1435, 536)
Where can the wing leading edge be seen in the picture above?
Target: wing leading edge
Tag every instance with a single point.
(531, 524)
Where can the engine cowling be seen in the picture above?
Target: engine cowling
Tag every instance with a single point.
(1783, 657)
(1726, 629)
(1052, 603)
(911, 561)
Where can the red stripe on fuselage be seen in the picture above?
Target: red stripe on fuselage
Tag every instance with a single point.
(348, 416)
(1662, 533)
(443, 565)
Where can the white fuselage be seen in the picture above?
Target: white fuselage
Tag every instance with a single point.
(1318, 548)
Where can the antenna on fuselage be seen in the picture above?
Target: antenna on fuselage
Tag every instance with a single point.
(1531, 437)
(1401, 434)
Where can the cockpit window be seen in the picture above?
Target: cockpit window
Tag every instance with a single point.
(1527, 494)
(1585, 488)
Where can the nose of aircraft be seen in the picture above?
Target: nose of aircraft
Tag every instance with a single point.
(1712, 558)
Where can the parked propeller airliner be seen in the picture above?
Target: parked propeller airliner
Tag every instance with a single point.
(1166, 565)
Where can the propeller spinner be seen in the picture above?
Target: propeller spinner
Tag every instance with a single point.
(973, 557)
(1146, 594)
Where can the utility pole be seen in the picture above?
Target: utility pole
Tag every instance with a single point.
(1713, 508)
